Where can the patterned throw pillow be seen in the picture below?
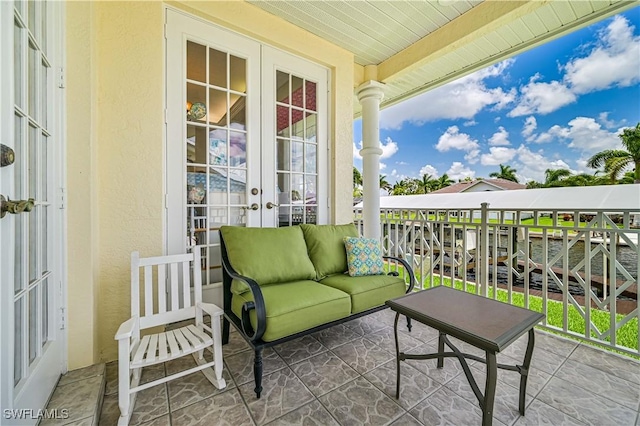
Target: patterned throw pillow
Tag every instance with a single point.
(364, 256)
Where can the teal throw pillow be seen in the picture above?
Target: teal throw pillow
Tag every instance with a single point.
(364, 256)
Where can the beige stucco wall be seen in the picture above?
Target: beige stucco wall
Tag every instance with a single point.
(115, 147)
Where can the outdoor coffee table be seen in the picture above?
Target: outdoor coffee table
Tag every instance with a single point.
(484, 323)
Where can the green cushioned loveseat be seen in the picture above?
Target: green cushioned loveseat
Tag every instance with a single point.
(283, 283)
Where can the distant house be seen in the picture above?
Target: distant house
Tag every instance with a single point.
(480, 185)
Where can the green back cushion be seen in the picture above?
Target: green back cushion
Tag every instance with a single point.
(268, 255)
(325, 244)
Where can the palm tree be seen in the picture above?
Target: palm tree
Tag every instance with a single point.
(616, 160)
(506, 172)
(425, 185)
(357, 183)
(555, 177)
(443, 181)
(384, 184)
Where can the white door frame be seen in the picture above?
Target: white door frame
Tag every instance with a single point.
(44, 372)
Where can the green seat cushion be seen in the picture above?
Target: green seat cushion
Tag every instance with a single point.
(267, 255)
(367, 291)
(295, 306)
(325, 244)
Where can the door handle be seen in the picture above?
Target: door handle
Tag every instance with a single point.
(270, 205)
(15, 207)
(253, 206)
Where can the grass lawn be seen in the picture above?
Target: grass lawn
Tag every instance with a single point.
(626, 336)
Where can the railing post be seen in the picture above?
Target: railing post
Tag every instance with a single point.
(483, 279)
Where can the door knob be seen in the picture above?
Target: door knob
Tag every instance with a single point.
(15, 207)
(253, 206)
(270, 205)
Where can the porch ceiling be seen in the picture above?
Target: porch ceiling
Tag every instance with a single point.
(419, 45)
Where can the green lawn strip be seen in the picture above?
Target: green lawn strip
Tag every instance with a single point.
(626, 336)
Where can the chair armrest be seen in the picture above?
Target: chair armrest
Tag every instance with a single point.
(210, 308)
(126, 328)
(407, 267)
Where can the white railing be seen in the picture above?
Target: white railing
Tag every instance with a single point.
(548, 261)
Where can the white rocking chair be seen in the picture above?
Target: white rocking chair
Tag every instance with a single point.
(174, 275)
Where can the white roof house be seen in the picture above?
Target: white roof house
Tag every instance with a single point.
(612, 198)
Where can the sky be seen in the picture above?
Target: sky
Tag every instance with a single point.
(551, 107)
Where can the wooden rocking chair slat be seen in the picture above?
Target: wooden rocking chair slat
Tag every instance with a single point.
(135, 352)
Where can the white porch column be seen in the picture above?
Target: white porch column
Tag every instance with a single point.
(370, 93)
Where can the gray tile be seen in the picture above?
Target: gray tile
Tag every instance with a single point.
(82, 373)
(536, 380)
(150, 404)
(360, 403)
(363, 355)
(608, 362)
(324, 372)
(226, 409)
(584, 405)
(336, 336)
(506, 403)
(193, 388)
(429, 366)
(406, 420)
(418, 331)
(160, 421)
(414, 386)
(153, 372)
(241, 365)
(179, 364)
(365, 325)
(79, 398)
(541, 414)
(111, 375)
(444, 407)
(110, 412)
(386, 340)
(236, 343)
(312, 414)
(601, 383)
(553, 343)
(282, 393)
(299, 349)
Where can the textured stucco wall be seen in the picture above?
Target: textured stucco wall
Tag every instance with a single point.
(116, 144)
(130, 129)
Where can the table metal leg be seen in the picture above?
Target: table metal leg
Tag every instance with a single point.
(524, 370)
(395, 334)
(490, 389)
(441, 338)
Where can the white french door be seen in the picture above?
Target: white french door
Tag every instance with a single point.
(246, 137)
(31, 342)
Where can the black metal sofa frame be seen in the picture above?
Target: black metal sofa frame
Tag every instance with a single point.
(254, 337)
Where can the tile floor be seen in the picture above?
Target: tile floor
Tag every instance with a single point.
(346, 376)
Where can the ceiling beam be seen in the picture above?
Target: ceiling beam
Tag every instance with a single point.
(477, 22)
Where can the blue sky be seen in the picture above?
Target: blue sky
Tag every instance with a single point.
(550, 107)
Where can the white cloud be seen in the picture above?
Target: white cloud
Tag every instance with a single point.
(542, 98)
(389, 147)
(530, 126)
(532, 165)
(500, 138)
(588, 136)
(462, 98)
(453, 139)
(459, 171)
(382, 166)
(469, 123)
(614, 61)
(429, 170)
(472, 156)
(497, 155)
(554, 133)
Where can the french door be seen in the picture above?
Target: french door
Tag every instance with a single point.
(246, 137)
(32, 347)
